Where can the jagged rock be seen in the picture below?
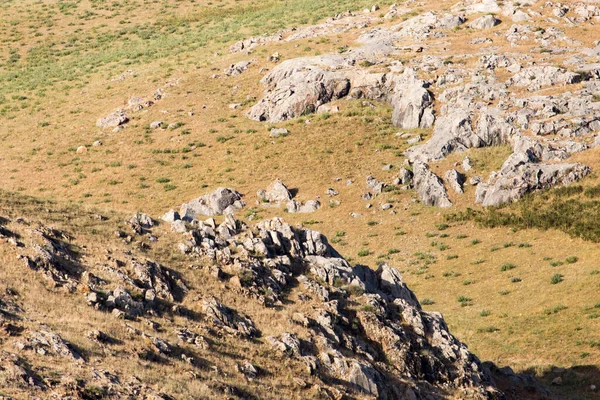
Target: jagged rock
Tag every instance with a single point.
(296, 91)
(454, 133)
(153, 277)
(221, 201)
(123, 304)
(429, 186)
(375, 185)
(522, 173)
(276, 192)
(228, 319)
(139, 222)
(412, 102)
(44, 341)
(287, 343)
(455, 179)
(114, 119)
(171, 216)
(484, 22)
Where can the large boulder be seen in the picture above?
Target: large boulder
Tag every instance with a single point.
(485, 22)
(429, 186)
(276, 192)
(301, 90)
(522, 173)
(221, 201)
(412, 102)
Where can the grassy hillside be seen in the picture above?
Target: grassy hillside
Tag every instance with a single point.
(519, 285)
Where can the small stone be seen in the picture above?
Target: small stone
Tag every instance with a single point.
(475, 180)
(156, 124)
(386, 206)
(557, 381)
(277, 132)
(81, 149)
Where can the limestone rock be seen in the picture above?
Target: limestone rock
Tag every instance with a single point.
(429, 186)
(112, 120)
(484, 22)
(221, 201)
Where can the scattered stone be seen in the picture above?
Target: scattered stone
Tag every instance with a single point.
(279, 132)
(114, 119)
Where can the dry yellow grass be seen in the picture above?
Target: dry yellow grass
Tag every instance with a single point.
(37, 157)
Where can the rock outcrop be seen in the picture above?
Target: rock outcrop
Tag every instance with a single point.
(221, 201)
(389, 324)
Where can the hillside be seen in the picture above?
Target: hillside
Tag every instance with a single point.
(449, 148)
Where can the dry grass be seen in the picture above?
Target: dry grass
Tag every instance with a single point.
(40, 133)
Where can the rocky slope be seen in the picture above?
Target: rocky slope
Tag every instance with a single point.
(486, 96)
(353, 332)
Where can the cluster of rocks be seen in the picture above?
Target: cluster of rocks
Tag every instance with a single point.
(277, 193)
(262, 263)
(118, 118)
(476, 107)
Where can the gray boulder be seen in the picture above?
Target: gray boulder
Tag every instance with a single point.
(412, 102)
(276, 192)
(237, 69)
(522, 174)
(429, 186)
(484, 22)
(405, 176)
(112, 120)
(297, 207)
(455, 179)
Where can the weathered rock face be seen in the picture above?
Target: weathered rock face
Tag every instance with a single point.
(519, 175)
(475, 107)
(412, 102)
(221, 201)
(228, 319)
(455, 179)
(429, 186)
(302, 86)
(300, 91)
